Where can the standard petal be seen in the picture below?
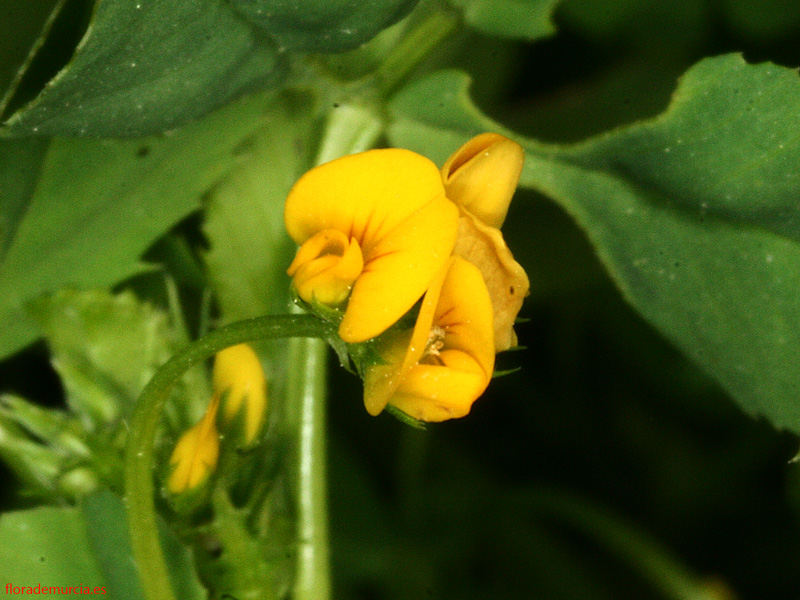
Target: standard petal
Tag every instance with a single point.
(364, 195)
(482, 175)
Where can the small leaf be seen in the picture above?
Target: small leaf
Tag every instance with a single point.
(145, 67)
(106, 348)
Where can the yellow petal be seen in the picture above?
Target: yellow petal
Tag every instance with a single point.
(196, 453)
(435, 393)
(439, 370)
(239, 378)
(400, 351)
(325, 267)
(482, 175)
(364, 195)
(505, 278)
(398, 270)
(464, 312)
(392, 203)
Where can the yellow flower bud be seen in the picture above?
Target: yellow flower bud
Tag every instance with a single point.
(195, 455)
(390, 204)
(437, 371)
(239, 382)
(482, 175)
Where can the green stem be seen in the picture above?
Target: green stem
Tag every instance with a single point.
(307, 387)
(140, 450)
(414, 48)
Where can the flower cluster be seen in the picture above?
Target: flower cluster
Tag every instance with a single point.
(238, 407)
(385, 234)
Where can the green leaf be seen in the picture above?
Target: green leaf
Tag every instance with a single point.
(522, 19)
(144, 67)
(109, 541)
(107, 528)
(323, 25)
(98, 204)
(86, 547)
(250, 249)
(47, 546)
(725, 147)
(694, 214)
(20, 161)
(105, 348)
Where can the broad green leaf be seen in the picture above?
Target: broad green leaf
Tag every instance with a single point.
(725, 147)
(144, 67)
(250, 250)
(20, 161)
(694, 214)
(47, 546)
(98, 204)
(524, 19)
(323, 25)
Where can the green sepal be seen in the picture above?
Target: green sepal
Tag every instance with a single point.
(191, 502)
(235, 562)
(505, 372)
(404, 418)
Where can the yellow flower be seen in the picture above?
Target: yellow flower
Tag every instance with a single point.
(438, 370)
(481, 177)
(374, 229)
(196, 453)
(239, 381)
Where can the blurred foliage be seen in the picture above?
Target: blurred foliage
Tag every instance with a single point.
(609, 448)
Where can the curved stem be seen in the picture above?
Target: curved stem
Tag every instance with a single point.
(140, 450)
